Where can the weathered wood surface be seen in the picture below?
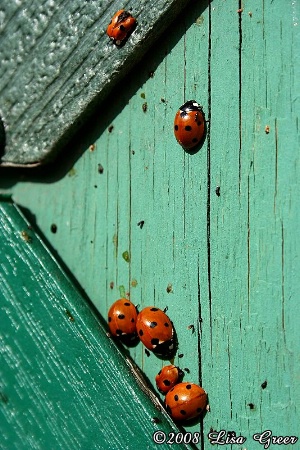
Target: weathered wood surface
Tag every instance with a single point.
(58, 64)
(63, 382)
(230, 261)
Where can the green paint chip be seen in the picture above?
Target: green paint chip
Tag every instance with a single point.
(72, 172)
(122, 291)
(126, 256)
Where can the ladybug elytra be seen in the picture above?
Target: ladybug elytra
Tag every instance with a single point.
(120, 26)
(186, 401)
(156, 332)
(167, 377)
(189, 124)
(122, 317)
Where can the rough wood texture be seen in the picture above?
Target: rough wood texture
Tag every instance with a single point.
(225, 261)
(64, 383)
(57, 64)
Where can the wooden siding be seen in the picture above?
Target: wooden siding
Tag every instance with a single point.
(64, 383)
(58, 64)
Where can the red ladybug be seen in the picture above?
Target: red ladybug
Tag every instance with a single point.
(156, 332)
(185, 401)
(122, 317)
(120, 26)
(167, 377)
(189, 124)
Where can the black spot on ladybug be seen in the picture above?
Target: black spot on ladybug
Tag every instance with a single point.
(154, 341)
(183, 412)
(121, 316)
(188, 128)
(188, 386)
(166, 382)
(153, 324)
(176, 127)
(264, 384)
(124, 15)
(141, 332)
(154, 309)
(176, 398)
(166, 324)
(126, 304)
(132, 320)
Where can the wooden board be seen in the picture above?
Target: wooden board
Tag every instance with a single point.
(225, 261)
(58, 64)
(64, 383)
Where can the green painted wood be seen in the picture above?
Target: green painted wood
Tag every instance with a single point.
(58, 64)
(226, 264)
(64, 383)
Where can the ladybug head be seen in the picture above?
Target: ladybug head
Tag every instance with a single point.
(166, 350)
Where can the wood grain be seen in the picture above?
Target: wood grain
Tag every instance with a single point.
(58, 64)
(64, 383)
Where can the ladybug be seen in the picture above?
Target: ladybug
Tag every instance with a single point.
(122, 317)
(120, 26)
(185, 401)
(156, 331)
(189, 124)
(167, 377)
